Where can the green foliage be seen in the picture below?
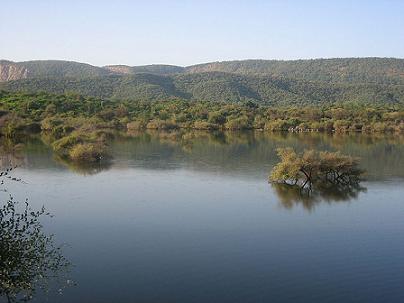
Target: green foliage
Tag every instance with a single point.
(161, 124)
(350, 70)
(79, 127)
(205, 125)
(28, 256)
(315, 168)
(82, 147)
(136, 125)
(87, 152)
(281, 83)
(237, 123)
(61, 114)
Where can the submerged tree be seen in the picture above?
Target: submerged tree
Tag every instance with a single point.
(318, 169)
(29, 258)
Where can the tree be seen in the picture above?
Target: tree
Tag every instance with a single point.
(313, 168)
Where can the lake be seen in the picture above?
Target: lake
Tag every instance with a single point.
(191, 218)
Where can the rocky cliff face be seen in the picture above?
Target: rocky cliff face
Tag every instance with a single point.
(12, 71)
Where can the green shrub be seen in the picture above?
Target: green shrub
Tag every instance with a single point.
(217, 118)
(204, 125)
(63, 145)
(87, 152)
(136, 125)
(161, 124)
(341, 125)
(237, 123)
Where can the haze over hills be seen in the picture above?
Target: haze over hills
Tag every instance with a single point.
(316, 81)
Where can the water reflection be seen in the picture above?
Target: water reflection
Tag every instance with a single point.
(249, 153)
(11, 153)
(84, 168)
(254, 153)
(175, 193)
(291, 196)
(29, 258)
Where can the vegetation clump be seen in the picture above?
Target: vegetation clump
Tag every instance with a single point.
(313, 169)
(87, 152)
(81, 147)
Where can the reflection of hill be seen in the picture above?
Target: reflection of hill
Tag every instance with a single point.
(254, 153)
(247, 153)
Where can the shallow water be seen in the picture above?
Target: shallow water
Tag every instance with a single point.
(192, 218)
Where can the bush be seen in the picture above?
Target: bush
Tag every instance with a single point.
(87, 152)
(63, 145)
(204, 125)
(315, 168)
(136, 125)
(161, 124)
(276, 125)
(49, 124)
(237, 123)
(217, 118)
(379, 127)
(341, 125)
(317, 126)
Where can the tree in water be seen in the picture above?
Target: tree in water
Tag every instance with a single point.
(312, 169)
(29, 258)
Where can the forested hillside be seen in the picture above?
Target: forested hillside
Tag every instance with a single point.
(351, 70)
(214, 87)
(270, 82)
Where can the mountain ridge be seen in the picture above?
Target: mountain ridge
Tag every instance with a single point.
(388, 66)
(314, 81)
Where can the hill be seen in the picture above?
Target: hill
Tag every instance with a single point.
(214, 87)
(48, 69)
(351, 70)
(367, 80)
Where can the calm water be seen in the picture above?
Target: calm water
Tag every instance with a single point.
(193, 219)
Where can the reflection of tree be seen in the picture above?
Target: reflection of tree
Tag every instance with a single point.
(84, 168)
(291, 195)
(29, 257)
(10, 153)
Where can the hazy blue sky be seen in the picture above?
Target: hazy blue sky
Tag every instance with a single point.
(188, 32)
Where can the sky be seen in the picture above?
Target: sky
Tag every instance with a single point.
(190, 32)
